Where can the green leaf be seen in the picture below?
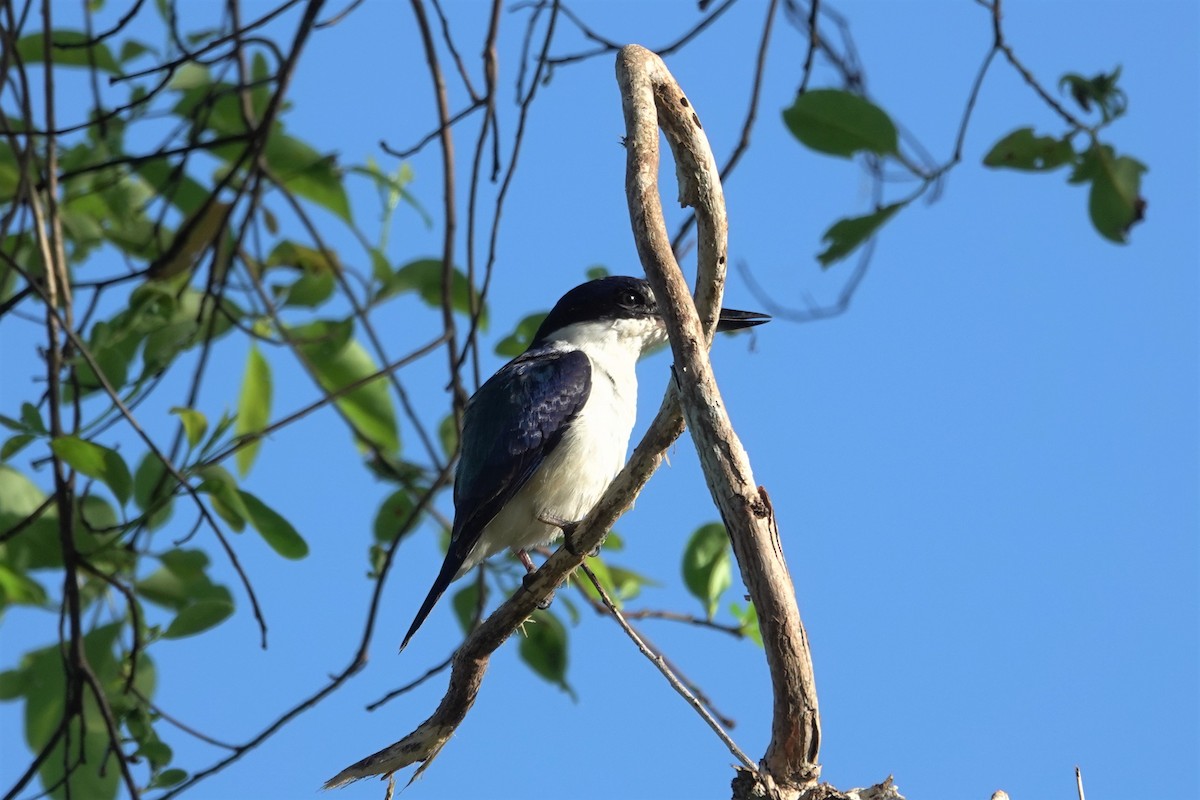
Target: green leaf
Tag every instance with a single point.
(425, 277)
(32, 418)
(189, 75)
(600, 569)
(707, 566)
(338, 363)
(544, 648)
(184, 192)
(376, 557)
(13, 684)
(596, 271)
(156, 752)
(303, 170)
(516, 342)
(38, 546)
(381, 269)
(393, 514)
(845, 235)
(19, 589)
(1115, 203)
(91, 747)
(96, 461)
(748, 618)
(254, 407)
(316, 283)
(840, 123)
(153, 489)
(195, 424)
(15, 444)
(277, 531)
(193, 238)
(1101, 90)
(222, 489)
(167, 778)
(448, 434)
(198, 617)
(113, 345)
(64, 51)
(223, 425)
(180, 581)
(465, 603)
(131, 49)
(627, 583)
(1022, 150)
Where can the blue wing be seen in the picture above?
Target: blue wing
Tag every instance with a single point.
(511, 424)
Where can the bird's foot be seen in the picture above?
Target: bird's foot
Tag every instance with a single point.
(569, 530)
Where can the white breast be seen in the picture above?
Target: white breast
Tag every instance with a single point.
(592, 451)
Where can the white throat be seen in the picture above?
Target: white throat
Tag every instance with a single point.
(614, 344)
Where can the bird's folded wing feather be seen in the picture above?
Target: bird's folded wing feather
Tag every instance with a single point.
(511, 425)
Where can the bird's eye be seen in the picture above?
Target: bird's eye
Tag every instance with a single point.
(631, 299)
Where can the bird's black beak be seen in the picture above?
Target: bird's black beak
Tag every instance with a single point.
(732, 320)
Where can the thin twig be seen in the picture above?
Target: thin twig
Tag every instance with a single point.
(609, 46)
(178, 723)
(660, 664)
(760, 63)
(408, 687)
(458, 394)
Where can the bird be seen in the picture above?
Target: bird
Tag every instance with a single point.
(544, 436)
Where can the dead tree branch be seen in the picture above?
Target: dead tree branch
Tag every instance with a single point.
(651, 99)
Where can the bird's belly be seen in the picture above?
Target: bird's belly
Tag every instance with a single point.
(566, 486)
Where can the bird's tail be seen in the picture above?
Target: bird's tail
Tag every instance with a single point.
(449, 571)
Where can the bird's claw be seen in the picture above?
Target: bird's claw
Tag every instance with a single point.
(568, 529)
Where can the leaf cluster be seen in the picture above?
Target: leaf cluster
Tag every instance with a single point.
(846, 124)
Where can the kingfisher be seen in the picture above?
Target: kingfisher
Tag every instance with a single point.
(544, 436)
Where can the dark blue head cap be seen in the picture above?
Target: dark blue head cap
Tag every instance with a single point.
(610, 298)
(623, 297)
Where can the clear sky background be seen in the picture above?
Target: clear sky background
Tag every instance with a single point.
(985, 472)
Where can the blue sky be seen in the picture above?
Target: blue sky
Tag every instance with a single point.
(985, 472)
